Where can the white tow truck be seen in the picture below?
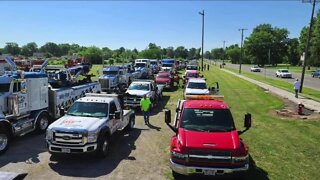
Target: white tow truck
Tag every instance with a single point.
(88, 125)
(114, 79)
(28, 103)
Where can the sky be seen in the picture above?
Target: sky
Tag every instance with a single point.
(135, 24)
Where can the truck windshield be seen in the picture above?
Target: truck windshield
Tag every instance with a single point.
(153, 62)
(140, 65)
(166, 65)
(194, 85)
(193, 75)
(192, 68)
(110, 72)
(209, 120)
(163, 76)
(4, 87)
(136, 86)
(88, 109)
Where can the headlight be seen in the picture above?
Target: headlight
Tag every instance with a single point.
(49, 135)
(240, 159)
(178, 155)
(92, 137)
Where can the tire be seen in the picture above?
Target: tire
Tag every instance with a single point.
(103, 146)
(42, 122)
(131, 123)
(4, 140)
(177, 176)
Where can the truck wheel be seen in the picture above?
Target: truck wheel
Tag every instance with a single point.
(131, 123)
(4, 140)
(103, 146)
(177, 176)
(42, 122)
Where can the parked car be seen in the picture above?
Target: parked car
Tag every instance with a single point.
(316, 73)
(283, 73)
(255, 69)
(191, 74)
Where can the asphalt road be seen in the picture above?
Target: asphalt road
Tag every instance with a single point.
(310, 82)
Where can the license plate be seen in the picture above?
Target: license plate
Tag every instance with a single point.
(65, 150)
(209, 172)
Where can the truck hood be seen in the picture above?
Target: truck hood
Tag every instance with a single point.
(137, 92)
(197, 91)
(162, 80)
(139, 68)
(209, 140)
(76, 122)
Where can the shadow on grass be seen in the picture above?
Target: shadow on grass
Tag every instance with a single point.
(254, 172)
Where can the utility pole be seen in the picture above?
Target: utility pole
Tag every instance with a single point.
(224, 43)
(242, 29)
(307, 46)
(202, 14)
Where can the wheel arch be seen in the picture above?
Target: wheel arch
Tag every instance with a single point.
(7, 125)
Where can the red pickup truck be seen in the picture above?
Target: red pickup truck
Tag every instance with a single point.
(206, 141)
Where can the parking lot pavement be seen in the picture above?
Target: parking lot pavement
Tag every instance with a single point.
(308, 103)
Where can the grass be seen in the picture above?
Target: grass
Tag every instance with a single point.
(307, 92)
(281, 148)
(295, 69)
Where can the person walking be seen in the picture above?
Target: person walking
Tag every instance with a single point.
(145, 105)
(208, 67)
(296, 86)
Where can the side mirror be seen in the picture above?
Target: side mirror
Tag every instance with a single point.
(201, 76)
(182, 86)
(184, 76)
(117, 114)
(167, 116)
(247, 120)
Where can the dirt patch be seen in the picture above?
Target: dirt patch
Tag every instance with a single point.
(289, 111)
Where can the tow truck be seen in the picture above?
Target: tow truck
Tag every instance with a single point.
(88, 125)
(28, 103)
(206, 141)
(114, 79)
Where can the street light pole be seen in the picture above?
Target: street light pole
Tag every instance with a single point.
(242, 29)
(202, 14)
(307, 46)
(224, 43)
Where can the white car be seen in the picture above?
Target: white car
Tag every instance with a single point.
(196, 86)
(283, 73)
(255, 69)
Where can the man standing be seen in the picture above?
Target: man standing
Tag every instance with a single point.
(145, 105)
(296, 86)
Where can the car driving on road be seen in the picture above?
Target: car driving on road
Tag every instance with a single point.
(283, 73)
(316, 74)
(255, 69)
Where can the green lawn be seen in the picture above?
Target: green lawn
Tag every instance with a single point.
(307, 92)
(294, 69)
(280, 148)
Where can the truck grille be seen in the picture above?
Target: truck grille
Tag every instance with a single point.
(132, 99)
(209, 156)
(105, 83)
(66, 138)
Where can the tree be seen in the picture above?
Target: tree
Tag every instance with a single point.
(93, 54)
(192, 53)
(51, 48)
(207, 55)
(28, 49)
(233, 52)
(217, 53)
(107, 53)
(265, 39)
(64, 49)
(293, 52)
(11, 48)
(315, 41)
(170, 52)
(181, 52)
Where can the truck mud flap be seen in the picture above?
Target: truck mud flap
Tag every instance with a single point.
(12, 175)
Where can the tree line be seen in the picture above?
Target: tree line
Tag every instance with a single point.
(265, 45)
